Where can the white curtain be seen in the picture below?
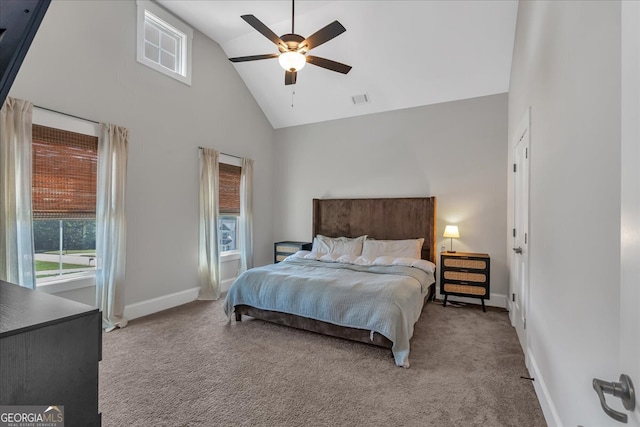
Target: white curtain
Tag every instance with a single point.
(111, 224)
(246, 215)
(209, 259)
(16, 233)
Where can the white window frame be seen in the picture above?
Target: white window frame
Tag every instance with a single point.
(51, 119)
(174, 25)
(228, 255)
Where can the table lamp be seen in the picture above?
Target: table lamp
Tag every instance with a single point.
(451, 231)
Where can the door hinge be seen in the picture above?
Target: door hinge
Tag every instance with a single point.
(514, 167)
(526, 153)
(513, 297)
(514, 232)
(524, 322)
(525, 238)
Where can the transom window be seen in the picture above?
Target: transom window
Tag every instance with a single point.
(164, 42)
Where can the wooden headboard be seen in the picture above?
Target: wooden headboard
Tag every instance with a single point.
(382, 219)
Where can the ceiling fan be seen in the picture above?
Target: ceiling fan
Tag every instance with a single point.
(293, 47)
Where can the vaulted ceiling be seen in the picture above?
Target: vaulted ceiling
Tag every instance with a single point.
(403, 53)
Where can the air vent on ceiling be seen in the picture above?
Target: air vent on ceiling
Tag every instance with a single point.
(360, 99)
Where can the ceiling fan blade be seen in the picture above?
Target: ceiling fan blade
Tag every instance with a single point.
(323, 35)
(253, 57)
(329, 64)
(263, 29)
(290, 77)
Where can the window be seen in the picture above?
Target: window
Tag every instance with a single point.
(229, 200)
(64, 202)
(163, 42)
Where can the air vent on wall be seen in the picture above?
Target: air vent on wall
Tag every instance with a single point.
(360, 99)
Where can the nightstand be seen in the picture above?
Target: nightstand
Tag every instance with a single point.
(464, 274)
(281, 250)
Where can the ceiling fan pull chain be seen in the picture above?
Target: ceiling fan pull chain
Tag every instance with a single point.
(293, 92)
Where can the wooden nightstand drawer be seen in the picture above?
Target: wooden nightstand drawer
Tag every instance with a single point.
(287, 248)
(465, 289)
(281, 250)
(471, 264)
(465, 274)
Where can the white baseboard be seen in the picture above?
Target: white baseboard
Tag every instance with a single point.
(165, 302)
(145, 308)
(225, 284)
(548, 408)
(497, 300)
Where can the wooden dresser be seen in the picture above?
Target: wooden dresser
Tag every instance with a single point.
(49, 353)
(465, 274)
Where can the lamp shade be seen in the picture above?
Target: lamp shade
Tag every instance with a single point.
(292, 61)
(451, 231)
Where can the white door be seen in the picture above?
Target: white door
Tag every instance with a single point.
(630, 204)
(520, 263)
(629, 329)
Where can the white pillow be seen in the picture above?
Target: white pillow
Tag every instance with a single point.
(349, 259)
(301, 254)
(422, 264)
(338, 245)
(331, 257)
(362, 261)
(313, 255)
(383, 260)
(425, 265)
(405, 261)
(411, 248)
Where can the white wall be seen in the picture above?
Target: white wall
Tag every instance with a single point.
(83, 62)
(456, 151)
(566, 66)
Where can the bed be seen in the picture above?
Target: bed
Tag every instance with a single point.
(283, 293)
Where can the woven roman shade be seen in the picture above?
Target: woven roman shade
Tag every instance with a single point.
(64, 174)
(229, 184)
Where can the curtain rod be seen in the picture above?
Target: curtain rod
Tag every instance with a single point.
(230, 155)
(66, 114)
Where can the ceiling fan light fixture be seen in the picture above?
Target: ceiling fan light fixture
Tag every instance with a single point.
(293, 47)
(292, 61)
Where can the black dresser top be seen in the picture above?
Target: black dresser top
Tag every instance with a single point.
(22, 309)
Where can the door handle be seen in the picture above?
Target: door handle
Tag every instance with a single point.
(624, 390)
(517, 250)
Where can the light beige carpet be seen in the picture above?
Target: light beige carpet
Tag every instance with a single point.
(188, 367)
